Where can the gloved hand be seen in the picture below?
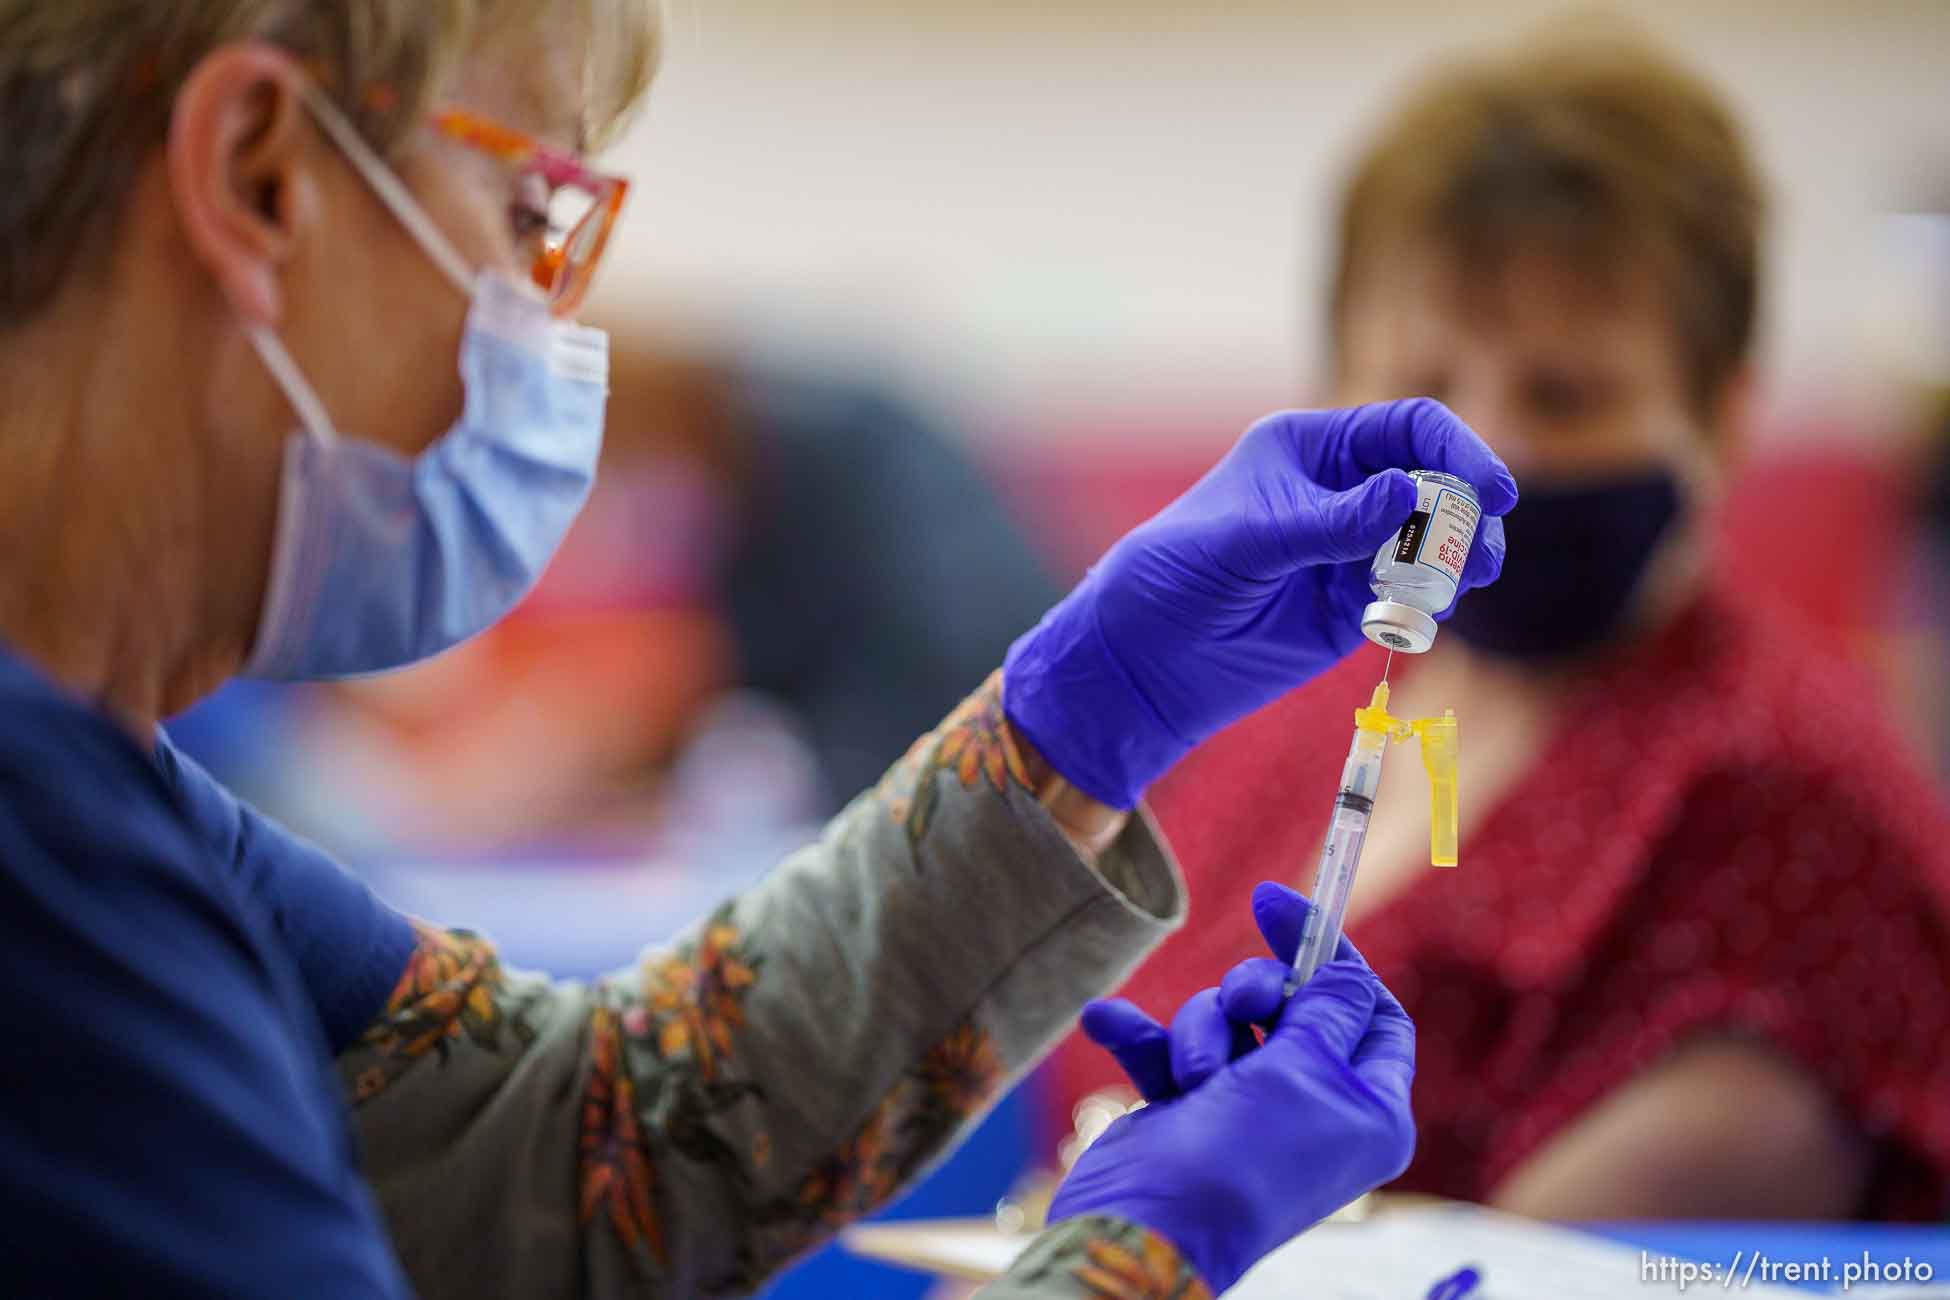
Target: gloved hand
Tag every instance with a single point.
(1244, 1146)
(1245, 587)
(1215, 1026)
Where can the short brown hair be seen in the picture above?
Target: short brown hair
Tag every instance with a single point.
(86, 87)
(1592, 145)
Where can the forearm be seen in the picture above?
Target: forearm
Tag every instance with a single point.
(1090, 827)
(1724, 1128)
(789, 1065)
(936, 942)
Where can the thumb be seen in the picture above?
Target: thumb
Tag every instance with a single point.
(1354, 524)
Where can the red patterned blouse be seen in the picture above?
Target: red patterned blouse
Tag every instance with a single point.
(1721, 844)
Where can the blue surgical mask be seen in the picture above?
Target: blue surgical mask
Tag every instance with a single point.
(381, 560)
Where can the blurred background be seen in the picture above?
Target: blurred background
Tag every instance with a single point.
(918, 307)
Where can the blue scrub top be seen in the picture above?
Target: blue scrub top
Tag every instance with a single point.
(178, 974)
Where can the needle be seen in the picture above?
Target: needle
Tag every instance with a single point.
(1387, 667)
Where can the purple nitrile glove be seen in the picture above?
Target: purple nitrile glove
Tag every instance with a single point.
(1246, 586)
(1215, 1025)
(1242, 1146)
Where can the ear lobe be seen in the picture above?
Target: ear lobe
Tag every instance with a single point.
(236, 154)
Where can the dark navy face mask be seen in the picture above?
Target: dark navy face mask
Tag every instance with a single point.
(1576, 558)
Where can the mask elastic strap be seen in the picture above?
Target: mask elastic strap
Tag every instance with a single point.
(303, 398)
(391, 191)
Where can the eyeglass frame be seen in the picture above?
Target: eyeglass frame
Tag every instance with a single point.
(505, 145)
(557, 168)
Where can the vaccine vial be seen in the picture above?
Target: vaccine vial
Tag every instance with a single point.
(1415, 575)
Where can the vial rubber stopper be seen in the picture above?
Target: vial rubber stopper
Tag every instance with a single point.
(1398, 627)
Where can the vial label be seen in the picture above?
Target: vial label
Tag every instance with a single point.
(1440, 531)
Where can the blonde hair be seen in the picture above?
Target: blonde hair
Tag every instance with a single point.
(1587, 141)
(86, 88)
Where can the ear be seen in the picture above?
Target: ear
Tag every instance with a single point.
(238, 150)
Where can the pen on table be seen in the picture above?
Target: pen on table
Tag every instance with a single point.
(1457, 1286)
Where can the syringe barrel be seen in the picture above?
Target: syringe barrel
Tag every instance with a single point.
(1340, 856)
(1333, 886)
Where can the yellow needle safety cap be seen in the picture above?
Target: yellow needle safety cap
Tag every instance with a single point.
(1439, 743)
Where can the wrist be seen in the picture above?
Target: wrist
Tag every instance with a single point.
(1090, 825)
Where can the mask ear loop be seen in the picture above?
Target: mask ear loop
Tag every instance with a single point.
(311, 412)
(391, 190)
(398, 200)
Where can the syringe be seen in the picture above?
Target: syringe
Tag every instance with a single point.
(1360, 779)
(1334, 883)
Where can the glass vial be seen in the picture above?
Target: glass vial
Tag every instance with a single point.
(1416, 574)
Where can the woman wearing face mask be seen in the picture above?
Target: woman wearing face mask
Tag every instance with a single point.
(290, 389)
(1695, 960)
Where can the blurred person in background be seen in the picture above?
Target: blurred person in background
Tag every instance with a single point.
(1696, 960)
(293, 391)
(780, 572)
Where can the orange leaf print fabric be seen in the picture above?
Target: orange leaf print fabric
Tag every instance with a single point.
(694, 1001)
(973, 743)
(453, 987)
(1151, 1271)
(1100, 1257)
(935, 1097)
(617, 1180)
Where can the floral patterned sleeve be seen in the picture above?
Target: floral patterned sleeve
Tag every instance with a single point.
(1099, 1258)
(689, 1126)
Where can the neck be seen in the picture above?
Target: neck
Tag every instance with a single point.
(110, 576)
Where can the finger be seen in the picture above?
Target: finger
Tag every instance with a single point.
(1138, 1043)
(1485, 556)
(1203, 1041)
(1415, 433)
(1385, 1001)
(1390, 1038)
(1385, 1056)
(1337, 1004)
(1354, 524)
(1253, 992)
(1281, 914)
